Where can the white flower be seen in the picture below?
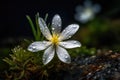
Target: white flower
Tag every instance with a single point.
(55, 43)
(86, 12)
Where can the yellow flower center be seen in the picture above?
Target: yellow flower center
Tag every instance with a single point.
(55, 39)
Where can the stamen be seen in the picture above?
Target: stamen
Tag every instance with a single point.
(55, 39)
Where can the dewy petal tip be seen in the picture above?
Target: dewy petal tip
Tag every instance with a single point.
(63, 55)
(56, 24)
(70, 44)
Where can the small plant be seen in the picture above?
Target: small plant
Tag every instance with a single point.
(26, 65)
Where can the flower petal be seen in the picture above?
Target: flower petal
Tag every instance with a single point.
(69, 31)
(70, 44)
(37, 46)
(63, 55)
(44, 29)
(48, 55)
(56, 24)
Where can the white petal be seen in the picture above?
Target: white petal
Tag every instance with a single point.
(56, 24)
(37, 46)
(70, 44)
(69, 31)
(48, 55)
(44, 29)
(63, 55)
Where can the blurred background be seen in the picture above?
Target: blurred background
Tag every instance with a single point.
(102, 31)
(99, 22)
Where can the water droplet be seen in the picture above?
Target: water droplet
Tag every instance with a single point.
(33, 48)
(49, 58)
(74, 27)
(53, 29)
(59, 25)
(64, 30)
(64, 44)
(69, 36)
(74, 42)
(66, 57)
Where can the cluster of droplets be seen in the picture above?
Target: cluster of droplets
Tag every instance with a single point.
(67, 32)
(32, 47)
(56, 23)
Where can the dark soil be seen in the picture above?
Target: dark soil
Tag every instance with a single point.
(104, 66)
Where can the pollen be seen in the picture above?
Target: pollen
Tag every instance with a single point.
(55, 39)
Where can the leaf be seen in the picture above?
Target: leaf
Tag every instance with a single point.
(9, 61)
(38, 28)
(32, 26)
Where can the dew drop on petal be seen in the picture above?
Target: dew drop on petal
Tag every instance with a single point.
(32, 48)
(66, 57)
(69, 36)
(75, 42)
(53, 28)
(59, 25)
(49, 57)
(64, 30)
(74, 27)
(64, 44)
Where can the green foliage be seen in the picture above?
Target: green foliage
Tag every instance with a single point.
(82, 51)
(100, 33)
(24, 65)
(22, 60)
(35, 27)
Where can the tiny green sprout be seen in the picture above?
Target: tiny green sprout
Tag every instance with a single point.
(55, 43)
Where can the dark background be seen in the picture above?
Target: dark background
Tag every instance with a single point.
(13, 22)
